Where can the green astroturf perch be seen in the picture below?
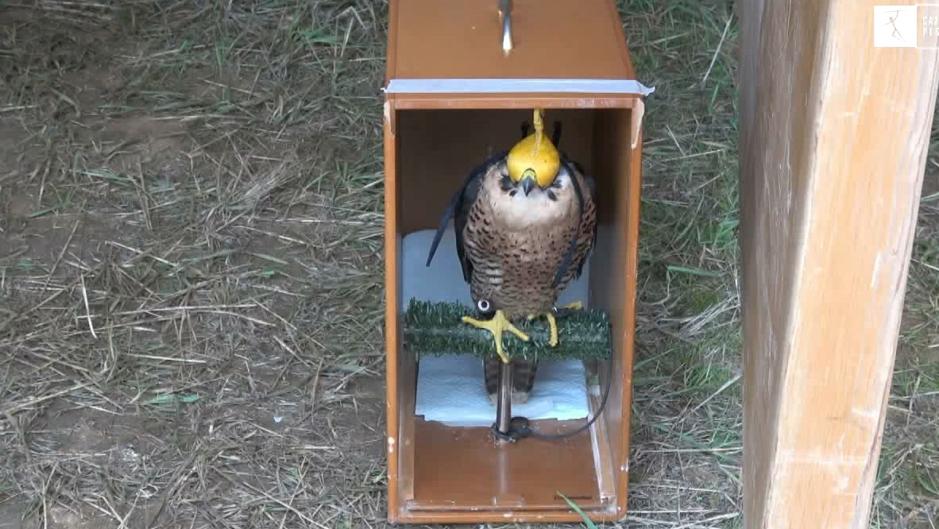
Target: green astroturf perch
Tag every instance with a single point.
(436, 328)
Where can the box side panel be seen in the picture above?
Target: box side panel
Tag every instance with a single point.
(613, 273)
(632, 158)
(407, 382)
(391, 307)
(400, 364)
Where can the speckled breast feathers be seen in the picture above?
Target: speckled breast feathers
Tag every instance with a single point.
(521, 252)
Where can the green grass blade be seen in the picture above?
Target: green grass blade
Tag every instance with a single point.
(576, 508)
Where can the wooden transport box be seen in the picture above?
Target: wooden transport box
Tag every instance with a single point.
(453, 98)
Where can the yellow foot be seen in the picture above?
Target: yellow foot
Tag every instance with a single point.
(497, 325)
(553, 323)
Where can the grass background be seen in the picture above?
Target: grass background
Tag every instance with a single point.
(191, 277)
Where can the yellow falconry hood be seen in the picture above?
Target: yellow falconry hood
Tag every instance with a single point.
(535, 156)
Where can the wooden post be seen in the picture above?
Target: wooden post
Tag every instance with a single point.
(834, 134)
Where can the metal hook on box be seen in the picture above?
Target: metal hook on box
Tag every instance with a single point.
(505, 10)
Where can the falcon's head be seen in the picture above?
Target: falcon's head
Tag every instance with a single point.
(534, 161)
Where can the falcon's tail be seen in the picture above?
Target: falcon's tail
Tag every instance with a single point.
(523, 378)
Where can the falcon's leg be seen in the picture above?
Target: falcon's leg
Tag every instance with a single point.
(553, 322)
(497, 325)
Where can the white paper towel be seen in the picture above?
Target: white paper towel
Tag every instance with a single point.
(451, 388)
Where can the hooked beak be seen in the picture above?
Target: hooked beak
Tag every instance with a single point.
(528, 184)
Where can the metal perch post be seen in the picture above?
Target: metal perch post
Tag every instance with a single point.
(504, 399)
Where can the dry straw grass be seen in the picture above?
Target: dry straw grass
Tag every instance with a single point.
(190, 271)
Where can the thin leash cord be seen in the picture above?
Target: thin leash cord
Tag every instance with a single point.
(526, 431)
(589, 423)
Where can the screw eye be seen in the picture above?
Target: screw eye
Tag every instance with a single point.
(484, 306)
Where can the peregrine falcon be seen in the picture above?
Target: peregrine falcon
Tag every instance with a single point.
(525, 222)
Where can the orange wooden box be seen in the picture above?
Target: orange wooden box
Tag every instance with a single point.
(453, 97)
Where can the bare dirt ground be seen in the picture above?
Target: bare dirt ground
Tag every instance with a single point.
(191, 272)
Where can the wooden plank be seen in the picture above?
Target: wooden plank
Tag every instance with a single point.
(407, 382)
(513, 101)
(834, 134)
(460, 469)
(613, 272)
(603, 459)
(391, 309)
(462, 39)
(500, 518)
(518, 482)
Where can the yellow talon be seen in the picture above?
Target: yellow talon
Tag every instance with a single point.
(497, 325)
(553, 324)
